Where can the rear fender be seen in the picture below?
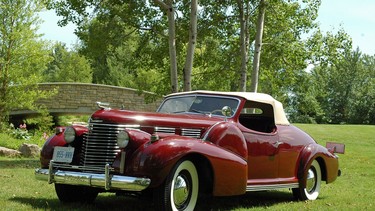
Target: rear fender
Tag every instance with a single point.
(155, 160)
(328, 163)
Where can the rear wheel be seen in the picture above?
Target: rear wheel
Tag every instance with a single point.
(313, 181)
(72, 193)
(180, 190)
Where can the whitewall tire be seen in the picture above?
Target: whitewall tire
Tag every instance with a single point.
(313, 180)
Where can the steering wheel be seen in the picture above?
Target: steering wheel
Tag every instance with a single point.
(217, 111)
(220, 112)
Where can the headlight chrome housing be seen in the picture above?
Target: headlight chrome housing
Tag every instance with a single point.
(123, 139)
(69, 134)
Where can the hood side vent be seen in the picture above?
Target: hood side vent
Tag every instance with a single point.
(191, 132)
(170, 130)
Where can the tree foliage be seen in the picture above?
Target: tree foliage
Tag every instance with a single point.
(67, 66)
(340, 88)
(347, 89)
(129, 44)
(23, 56)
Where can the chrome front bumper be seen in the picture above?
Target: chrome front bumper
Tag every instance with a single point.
(106, 181)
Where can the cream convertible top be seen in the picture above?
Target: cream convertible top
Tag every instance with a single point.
(280, 117)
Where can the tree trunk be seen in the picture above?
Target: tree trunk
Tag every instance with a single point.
(168, 7)
(191, 46)
(258, 46)
(244, 43)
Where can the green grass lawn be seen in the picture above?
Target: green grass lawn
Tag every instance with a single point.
(354, 190)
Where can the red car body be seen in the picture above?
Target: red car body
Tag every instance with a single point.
(187, 148)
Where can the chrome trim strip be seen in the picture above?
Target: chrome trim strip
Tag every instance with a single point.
(191, 132)
(80, 168)
(114, 182)
(205, 137)
(270, 187)
(171, 130)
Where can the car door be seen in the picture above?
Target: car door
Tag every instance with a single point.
(263, 158)
(256, 121)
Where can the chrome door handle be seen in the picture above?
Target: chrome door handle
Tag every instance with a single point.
(277, 143)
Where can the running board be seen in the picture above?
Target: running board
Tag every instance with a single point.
(270, 187)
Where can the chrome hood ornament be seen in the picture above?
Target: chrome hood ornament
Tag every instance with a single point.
(102, 105)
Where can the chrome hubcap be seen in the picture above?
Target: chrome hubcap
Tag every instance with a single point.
(181, 190)
(311, 181)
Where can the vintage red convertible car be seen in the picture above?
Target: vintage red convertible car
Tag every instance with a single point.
(200, 142)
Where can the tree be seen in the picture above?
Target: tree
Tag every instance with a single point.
(286, 51)
(347, 89)
(67, 66)
(329, 76)
(22, 56)
(168, 7)
(339, 89)
(244, 13)
(139, 15)
(191, 45)
(362, 102)
(302, 103)
(258, 46)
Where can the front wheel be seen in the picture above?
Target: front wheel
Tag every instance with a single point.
(180, 190)
(313, 181)
(72, 193)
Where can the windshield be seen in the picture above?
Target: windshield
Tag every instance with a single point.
(198, 104)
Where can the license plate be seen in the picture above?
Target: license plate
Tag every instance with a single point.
(63, 154)
(336, 147)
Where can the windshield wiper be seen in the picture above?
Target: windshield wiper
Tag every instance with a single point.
(177, 112)
(192, 111)
(200, 112)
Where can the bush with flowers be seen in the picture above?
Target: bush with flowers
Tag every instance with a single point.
(14, 137)
(20, 132)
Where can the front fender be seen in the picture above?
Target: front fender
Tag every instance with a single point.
(328, 163)
(155, 161)
(58, 140)
(228, 136)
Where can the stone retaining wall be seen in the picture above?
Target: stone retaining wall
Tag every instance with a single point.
(81, 98)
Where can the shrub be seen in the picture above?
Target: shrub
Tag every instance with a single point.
(20, 132)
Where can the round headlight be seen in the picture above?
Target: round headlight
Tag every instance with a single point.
(69, 134)
(123, 139)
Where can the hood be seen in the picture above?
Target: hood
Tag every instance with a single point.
(153, 119)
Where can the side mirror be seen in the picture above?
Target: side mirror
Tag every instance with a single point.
(226, 111)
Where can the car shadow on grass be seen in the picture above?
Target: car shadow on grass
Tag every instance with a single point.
(105, 202)
(262, 199)
(108, 201)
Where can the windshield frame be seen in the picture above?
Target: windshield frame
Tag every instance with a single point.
(189, 111)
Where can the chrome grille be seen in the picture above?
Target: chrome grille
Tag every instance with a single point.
(100, 145)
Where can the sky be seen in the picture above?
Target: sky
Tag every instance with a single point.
(357, 18)
(51, 31)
